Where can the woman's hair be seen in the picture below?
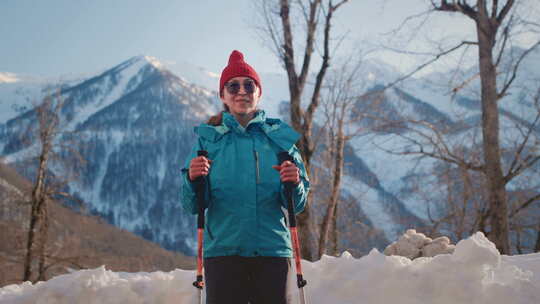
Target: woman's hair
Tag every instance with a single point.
(216, 120)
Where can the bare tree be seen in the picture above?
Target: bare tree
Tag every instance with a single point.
(466, 203)
(495, 22)
(55, 147)
(344, 90)
(280, 28)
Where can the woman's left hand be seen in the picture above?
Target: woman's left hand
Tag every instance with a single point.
(288, 172)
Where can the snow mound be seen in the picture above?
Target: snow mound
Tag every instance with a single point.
(104, 286)
(414, 245)
(474, 273)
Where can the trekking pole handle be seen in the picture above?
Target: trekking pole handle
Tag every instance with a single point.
(282, 157)
(199, 188)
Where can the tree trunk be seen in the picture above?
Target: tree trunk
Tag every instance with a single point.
(537, 245)
(334, 193)
(306, 227)
(30, 240)
(334, 239)
(498, 208)
(466, 200)
(302, 121)
(36, 215)
(518, 241)
(43, 238)
(36, 221)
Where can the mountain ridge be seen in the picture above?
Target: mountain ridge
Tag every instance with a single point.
(137, 119)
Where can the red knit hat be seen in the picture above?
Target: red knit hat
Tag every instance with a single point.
(238, 67)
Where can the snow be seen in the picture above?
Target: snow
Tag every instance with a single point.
(20, 92)
(474, 273)
(162, 170)
(16, 97)
(6, 77)
(194, 74)
(109, 96)
(433, 93)
(21, 155)
(413, 245)
(114, 138)
(391, 168)
(153, 61)
(368, 199)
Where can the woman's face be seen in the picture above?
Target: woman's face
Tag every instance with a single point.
(241, 95)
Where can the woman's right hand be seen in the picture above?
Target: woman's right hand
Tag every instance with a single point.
(199, 166)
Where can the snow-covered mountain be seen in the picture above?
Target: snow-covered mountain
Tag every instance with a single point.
(136, 122)
(430, 100)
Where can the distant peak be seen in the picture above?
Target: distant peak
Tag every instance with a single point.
(145, 59)
(212, 74)
(153, 61)
(6, 77)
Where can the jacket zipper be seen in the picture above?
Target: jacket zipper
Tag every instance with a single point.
(257, 165)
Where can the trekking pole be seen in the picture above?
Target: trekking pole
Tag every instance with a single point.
(199, 190)
(283, 156)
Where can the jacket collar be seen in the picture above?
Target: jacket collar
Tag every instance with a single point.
(231, 122)
(279, 132)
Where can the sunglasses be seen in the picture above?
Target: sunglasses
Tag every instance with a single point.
(233, 87)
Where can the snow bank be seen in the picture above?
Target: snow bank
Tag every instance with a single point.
(414, 245)
(474, 273)
(103, 286)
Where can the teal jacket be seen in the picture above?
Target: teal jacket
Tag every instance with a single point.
(245, 204)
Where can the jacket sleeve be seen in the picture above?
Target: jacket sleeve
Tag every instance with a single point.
(300, 192)
(189, 197)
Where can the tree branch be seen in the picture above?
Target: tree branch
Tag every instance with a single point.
(515, 69)
(524, 205)
(456, 6)
(310, 39)
(422, 66)
(441, 150)
(494, 8)
(505, 40)
(514, 171)
(505, 10)
(288, 50)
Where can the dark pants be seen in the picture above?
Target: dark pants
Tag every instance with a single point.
(241, 280)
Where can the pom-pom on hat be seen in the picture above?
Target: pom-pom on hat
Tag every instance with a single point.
(238, 67)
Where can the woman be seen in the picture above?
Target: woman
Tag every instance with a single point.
(247, 245)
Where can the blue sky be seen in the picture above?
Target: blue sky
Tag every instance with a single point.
(60, 37)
